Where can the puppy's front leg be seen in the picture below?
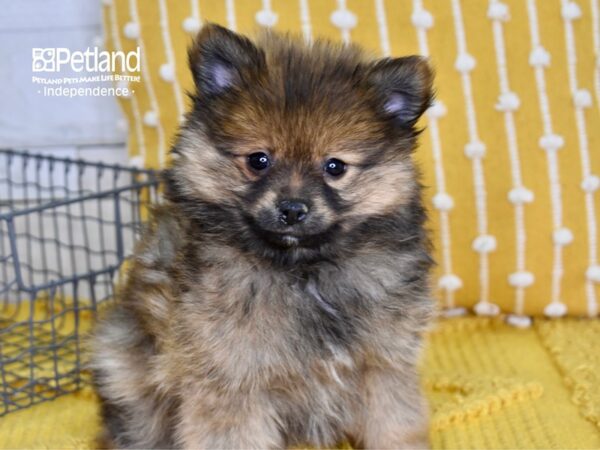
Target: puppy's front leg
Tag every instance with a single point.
(395, 416)
(220, 421)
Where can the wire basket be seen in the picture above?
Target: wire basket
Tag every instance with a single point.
(66, 227)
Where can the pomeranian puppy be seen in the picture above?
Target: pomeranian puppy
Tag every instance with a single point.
(280, 294)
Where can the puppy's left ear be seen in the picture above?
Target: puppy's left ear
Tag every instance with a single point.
(404, 86)
(222, 61)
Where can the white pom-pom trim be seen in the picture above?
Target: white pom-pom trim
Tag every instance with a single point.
(520, 195)
(519, 321)
(464, 63)
(509, 101)
(191, 25)
(437, 110)
(475, 149)
(521, 279)
(551, 142)
(137, 162)
(150, 118)
(582, 98)
(498, 11)
(539, 57)
(484, 244)
(131, 30)
(591, 183)
(450, 282)
(486, 309)
(167, 73)
(422, 18)
(562, 236)
(443, 201)
(570, 11)
(266, 18)
(454, 312)
(555, 309)
(344, 19)
(593, 273)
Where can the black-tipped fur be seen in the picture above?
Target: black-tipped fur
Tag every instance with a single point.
(239, 330)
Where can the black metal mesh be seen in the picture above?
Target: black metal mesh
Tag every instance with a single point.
(66, 227)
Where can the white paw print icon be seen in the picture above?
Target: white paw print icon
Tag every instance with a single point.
(43, 59)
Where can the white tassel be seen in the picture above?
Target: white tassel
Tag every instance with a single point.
(437, 110)
(521, 279)
(486, 309)
(509, 101)
(464, 63)
(266, 18)
(551, 142)
(582, 98)
(475, 149)
(166, 73)
(344, 19)
(562, 236)
(450, 282)
(498, 11)
(131, 30)
(591, 183)
(593, 273)
(443, 201)
(150, 119)
(422, 18)
(484, 243)
(520, 195)
(519, 321)
(454, 312)
(571, 11)
(539, 57)
(555, 309)
(191, 25)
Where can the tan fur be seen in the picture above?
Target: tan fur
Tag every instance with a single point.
(223, 339)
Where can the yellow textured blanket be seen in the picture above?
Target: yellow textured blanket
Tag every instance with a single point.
(489, 386)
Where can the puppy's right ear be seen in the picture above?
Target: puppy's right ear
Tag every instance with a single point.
(222, 60)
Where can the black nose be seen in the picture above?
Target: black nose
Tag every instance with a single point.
(292, 212)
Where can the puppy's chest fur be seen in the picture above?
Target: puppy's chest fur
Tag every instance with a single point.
(201, 321)
(225, 310)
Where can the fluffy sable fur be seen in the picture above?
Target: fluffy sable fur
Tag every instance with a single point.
(236, 330)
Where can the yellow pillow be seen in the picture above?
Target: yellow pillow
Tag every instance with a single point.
(511, 155)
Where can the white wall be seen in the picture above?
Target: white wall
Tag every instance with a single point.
(88, 127)
(82, 127)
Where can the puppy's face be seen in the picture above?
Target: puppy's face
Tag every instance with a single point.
(290, 147)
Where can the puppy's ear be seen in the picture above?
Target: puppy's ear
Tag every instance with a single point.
(404, 86)
(222, 60)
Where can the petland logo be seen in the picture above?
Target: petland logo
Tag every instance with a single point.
(92, 60)
(61, 72)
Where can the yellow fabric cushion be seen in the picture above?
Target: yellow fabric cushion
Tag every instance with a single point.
(511, 156)
(489, 386)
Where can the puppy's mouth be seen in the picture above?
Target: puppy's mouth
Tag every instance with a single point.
(289, 240)
(292, 239)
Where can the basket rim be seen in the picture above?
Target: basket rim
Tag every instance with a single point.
(152, 179)
(77, 161)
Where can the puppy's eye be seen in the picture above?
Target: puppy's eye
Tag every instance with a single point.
(335, 167)
(259, 161)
